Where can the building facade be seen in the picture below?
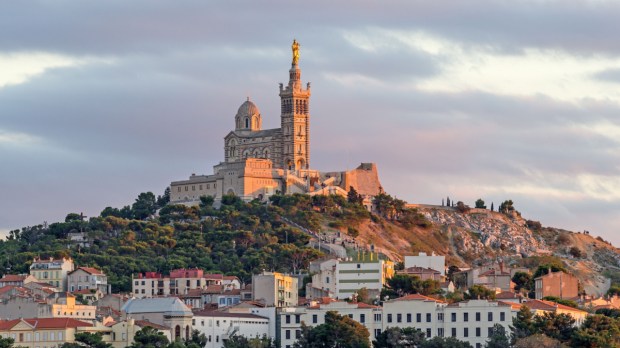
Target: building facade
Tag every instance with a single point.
(557, 284)
(220, 326)
(52, 271)
(87, 278)
(341, 279)
(275, 289)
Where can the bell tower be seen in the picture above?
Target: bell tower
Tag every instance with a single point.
(295, 118)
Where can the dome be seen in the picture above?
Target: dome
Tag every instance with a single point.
(248, 117)
(248, 108)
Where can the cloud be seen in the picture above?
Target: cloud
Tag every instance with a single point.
(478, 99)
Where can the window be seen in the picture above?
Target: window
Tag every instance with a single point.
(490, 316)
(465, 332)
(478, 345)
(477, 316)
(389, 318)
(439, 316)
(418, 317)
(489, 331)
(217, 338)
(428, 317)
(362, 318)
(408, 317)
(477, 332)
(377, 317)
(288, 334)
(502, 316)
(465, 316)
(358, 265)
(288, 319)
(315, 318)
(453, 332)
(440, 332)
(399, 318)
(143, 283)
(350, 316)
(297, 334)
(453, 317)
(297, 319)
(377, 332)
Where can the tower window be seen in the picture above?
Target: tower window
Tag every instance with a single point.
(247, 123)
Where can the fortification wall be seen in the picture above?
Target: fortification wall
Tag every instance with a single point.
(364, 179)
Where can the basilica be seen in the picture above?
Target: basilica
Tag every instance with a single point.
(262, 162)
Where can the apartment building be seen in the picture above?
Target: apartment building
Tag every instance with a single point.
(275, 289)
(52, 271)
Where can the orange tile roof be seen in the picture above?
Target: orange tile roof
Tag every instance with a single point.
(549, 306)
(143, 323)
(13, 278)
(45, 323)
(417, 297)
(89, 270)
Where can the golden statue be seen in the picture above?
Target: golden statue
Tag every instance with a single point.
(295, 48)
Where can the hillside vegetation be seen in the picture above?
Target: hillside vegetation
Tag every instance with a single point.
(243, 238)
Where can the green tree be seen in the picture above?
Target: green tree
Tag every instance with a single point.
(6, 342)
(507, 207)
(164, 199)
(479, 292)
(538, 341)
(353, 197)
(395, 337)
(149, 337)
(498, 338)
(144, 206)
(444, 342)
(236, 341)
(558, 326)
(522, 280)
(337, 331)
(547, 267)
(522, 324)
(480, 204)
(197, 340)
(73, 217)
(89, 340)
(597, 331)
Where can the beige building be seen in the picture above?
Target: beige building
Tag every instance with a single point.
(87, 278)
(178, 282)
(52, 271)
(557, 284)
(57, 305)
(16, 280)
(540, 307)
(42, 332)
(275, 289)
(261, 162)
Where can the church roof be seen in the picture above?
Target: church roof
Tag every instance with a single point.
(248, 108)
(254, 134)
(167, 305)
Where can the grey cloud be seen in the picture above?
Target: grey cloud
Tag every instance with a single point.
(610, 75)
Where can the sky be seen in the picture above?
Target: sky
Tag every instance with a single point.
(103, 100)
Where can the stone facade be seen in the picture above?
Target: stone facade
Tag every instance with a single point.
(261, 162)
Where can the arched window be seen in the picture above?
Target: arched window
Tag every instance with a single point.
(247, 122)
(187, 332)
(177, 332)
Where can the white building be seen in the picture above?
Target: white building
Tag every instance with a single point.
(436, 262)
(473, 320)
(343, 278)
(275, 289)
(220, 326)
(166, 311)
(422, 312)
(291, 318)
